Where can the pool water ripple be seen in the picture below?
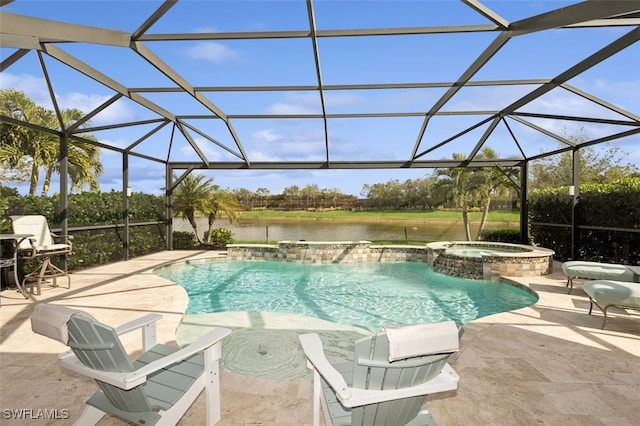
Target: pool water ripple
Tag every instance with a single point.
(369, 295)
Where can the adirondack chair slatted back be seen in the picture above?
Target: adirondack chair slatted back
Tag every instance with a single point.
(396, 375)
(97, 346)
(37, 226)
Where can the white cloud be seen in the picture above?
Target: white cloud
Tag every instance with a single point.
(625, 89)
(35, 88)
(297, 103)
(281, 108)
(268, 145)
(267, 135)
(333, 99)
(212, 51)
(211, 151)
(109, 152)
(310, 99)
(117, 112)
(260, 156)
(623, 94)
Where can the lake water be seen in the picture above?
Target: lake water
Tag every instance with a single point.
(330, 230)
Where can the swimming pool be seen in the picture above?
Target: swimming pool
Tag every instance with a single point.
(366, 295)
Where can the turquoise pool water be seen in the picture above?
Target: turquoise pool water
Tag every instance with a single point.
(367, 295)
(477, 250)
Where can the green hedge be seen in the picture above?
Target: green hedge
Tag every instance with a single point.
(100, 246)
(612, 205)
(502, 236)
(86, 208)
(184, 240)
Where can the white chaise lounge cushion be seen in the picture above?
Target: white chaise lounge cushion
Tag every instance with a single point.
(597, 270)
(51, 321)
(408, 341)
(607, 292)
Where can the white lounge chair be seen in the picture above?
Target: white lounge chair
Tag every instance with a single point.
(388, 379)
(596, 271)
(157, 388)
(41, 246)
(607, 293)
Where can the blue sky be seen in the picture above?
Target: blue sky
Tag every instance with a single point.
(417, 58)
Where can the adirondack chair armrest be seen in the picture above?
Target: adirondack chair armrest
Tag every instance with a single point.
(147, 324)
(137, 323)
(447, 380)
(313, 350)
(69, 361)
(210, 340)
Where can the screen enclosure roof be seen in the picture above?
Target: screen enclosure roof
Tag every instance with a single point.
(334, 84)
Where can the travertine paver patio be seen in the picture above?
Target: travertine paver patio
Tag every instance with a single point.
(546, 364)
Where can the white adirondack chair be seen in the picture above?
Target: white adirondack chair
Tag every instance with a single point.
(157, 388)
(379, 387)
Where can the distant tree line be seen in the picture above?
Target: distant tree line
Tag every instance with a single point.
(452, 188)
(309, 197)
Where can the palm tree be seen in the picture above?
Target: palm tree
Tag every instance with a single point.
(222, 203)
(31, 143)
(14, 167)
(458, 185)
(43, 149)
(468, 186)
(83, 158)
(84, 165)
(193, 196)
(496, 182)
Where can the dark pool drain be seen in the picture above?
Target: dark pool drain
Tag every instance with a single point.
(262, 350)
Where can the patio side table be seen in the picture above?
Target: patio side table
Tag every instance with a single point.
(12, 260)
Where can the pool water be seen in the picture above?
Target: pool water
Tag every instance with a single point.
(367, 295)
(477, 250)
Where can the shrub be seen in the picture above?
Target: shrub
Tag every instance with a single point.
(220, 237)
(184, 240)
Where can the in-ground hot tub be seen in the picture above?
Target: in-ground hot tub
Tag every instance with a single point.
(488, 260)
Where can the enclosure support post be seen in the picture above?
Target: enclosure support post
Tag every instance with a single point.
(64, 192)
(524, 206)
(125, 205)
(575, 184)
(169, 206)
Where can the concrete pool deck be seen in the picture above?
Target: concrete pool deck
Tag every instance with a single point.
(545, 364)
